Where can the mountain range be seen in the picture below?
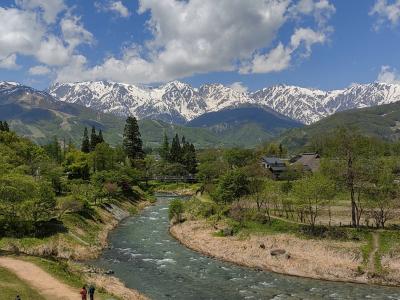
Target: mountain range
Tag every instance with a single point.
(41, 116)
(177, 102)
(210, 116)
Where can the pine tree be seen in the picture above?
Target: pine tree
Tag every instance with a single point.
(100, 138)
(5, 126)
(164, 150)
(192, 160)
(93, 139)
(1, 126)
(132, 142)
(176, 150)
(85, 142)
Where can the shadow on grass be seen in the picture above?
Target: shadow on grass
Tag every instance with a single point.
(41, 229)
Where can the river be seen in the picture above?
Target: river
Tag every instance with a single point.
(148, 259)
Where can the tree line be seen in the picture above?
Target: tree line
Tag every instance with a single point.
(179, 152)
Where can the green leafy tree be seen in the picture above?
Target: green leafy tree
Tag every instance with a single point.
(350, 156)
(175, 210)
(85, 142)
(132, 142)
(233, 185)
(312, 193)
(238, 157)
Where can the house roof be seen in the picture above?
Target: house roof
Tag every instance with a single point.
(310, 161)
(273, 161)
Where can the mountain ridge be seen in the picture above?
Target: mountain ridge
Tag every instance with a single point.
(178, 102)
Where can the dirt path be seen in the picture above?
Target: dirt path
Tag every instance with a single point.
(45, 284)
(375, 247)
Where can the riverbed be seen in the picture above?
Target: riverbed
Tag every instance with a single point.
(148, 259)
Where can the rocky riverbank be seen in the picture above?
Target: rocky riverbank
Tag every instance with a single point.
(283, 253)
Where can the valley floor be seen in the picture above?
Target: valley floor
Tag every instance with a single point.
(320, 259)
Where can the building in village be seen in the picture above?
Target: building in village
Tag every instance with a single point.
(309, 161)
(275, 165)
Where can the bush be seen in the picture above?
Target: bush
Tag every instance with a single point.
(175, 210)
(334, 233)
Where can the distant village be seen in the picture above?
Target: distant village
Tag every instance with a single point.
(307, 162)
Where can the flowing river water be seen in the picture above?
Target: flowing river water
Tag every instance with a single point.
(144, 256)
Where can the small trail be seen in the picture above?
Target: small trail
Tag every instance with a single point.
(375, 247)
(45, 284)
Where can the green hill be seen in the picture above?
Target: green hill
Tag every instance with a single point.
(380, 121)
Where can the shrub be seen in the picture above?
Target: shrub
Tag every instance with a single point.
(175, 210)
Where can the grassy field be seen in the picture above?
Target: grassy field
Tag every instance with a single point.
(11, 286)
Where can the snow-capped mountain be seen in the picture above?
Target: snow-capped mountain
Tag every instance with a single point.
(179, 102)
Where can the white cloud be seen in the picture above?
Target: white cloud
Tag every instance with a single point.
(27, 30)
(279, 58)
(388, 75)
(48, 8)
(9, 62)
(114, 6)
(200, 36)
(386, 12)
(74, 33)
(239, 87)
(322, 10)
(39, 70)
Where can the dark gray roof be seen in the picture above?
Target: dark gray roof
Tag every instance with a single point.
(273, 161)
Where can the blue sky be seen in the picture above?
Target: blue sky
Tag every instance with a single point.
(326, 44)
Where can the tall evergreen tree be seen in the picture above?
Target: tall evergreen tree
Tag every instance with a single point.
(100, 138)
(93, 139)
(1, 126)
(164, 150)
(192, 160)
(176, 150)
(85, 141)
(132, 142)
(5, 126)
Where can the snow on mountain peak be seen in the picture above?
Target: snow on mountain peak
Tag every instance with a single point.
(178, 102)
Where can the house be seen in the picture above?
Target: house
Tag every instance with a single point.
(275, 165)
(309, 161)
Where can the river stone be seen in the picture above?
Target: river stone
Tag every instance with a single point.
(277, 252)
(109, 272)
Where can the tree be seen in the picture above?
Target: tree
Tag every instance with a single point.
(5, 126)
(164, 150)
(175, 210)
(53, 149)
(237, 157)
(350, 156)
(85, 142)
(43, 205)
(100, 138)
(312, 192)
(176, 150)
(233, 185)
(93, 139)
(383, 196)
(102, 157)
(132, 142)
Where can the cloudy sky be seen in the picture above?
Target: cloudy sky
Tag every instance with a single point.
(325, 44)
